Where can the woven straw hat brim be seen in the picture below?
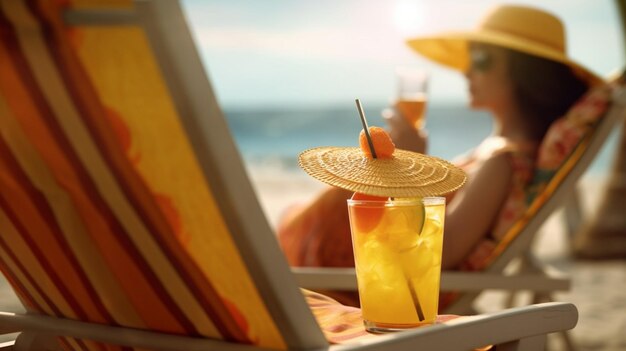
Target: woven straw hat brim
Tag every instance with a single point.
(451, 49)
(406, 174)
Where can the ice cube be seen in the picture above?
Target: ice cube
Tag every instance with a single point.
(419, 259)
(432, 226)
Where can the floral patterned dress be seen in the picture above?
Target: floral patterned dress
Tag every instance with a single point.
(522, 159)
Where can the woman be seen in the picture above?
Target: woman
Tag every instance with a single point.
(524, 94)
(517, 69)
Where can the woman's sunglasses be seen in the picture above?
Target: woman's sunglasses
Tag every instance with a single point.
(480, 59)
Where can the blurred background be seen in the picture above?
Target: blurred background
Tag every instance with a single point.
(286, 74)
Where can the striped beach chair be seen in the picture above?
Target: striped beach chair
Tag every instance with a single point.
(127, 221)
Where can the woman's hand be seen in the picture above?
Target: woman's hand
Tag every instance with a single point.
(403, 134)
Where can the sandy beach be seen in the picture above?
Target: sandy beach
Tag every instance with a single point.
(598, 289)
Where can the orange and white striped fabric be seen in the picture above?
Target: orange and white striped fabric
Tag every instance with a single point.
(104, 213)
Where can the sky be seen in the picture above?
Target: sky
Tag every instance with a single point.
(285, 53)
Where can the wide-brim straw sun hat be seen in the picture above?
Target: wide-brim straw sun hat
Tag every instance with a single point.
(525, 29)
(405, 174)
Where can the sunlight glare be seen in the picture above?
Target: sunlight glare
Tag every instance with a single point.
(408, 16)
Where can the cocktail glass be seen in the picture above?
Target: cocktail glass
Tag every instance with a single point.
(397, 250)
(412, 96)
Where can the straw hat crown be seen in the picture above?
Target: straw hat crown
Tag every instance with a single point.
(526, 23)
(525, 29)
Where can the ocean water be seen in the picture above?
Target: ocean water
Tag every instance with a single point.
(272, 138)
(278, 135)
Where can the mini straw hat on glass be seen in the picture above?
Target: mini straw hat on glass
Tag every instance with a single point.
(520, 28)
(405, 174)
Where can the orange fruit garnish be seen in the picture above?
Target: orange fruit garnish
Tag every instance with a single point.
(367, 218)
(365, 197)
(383, 145)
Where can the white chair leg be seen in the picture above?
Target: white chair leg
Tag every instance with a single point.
(524, 266)
(567, 340)
(573, 214)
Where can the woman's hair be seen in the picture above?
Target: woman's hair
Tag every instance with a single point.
(544, 89)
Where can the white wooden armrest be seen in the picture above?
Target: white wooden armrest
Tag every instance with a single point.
(345, 279)
(116, 335)
(522, 328)
(516, 326)
(469, 281)
(325, 278)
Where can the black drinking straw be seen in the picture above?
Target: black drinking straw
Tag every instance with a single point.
(365, 127)
(416, 301)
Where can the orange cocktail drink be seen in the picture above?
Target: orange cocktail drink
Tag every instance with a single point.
(413, 109)
(397, 250)
(396, 223)
(412, 94)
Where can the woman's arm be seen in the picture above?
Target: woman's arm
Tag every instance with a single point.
(471, 214)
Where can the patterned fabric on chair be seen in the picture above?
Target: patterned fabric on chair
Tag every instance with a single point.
(563, 145)
(104, 213)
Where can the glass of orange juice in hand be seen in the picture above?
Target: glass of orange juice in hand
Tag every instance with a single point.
(412, 94)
